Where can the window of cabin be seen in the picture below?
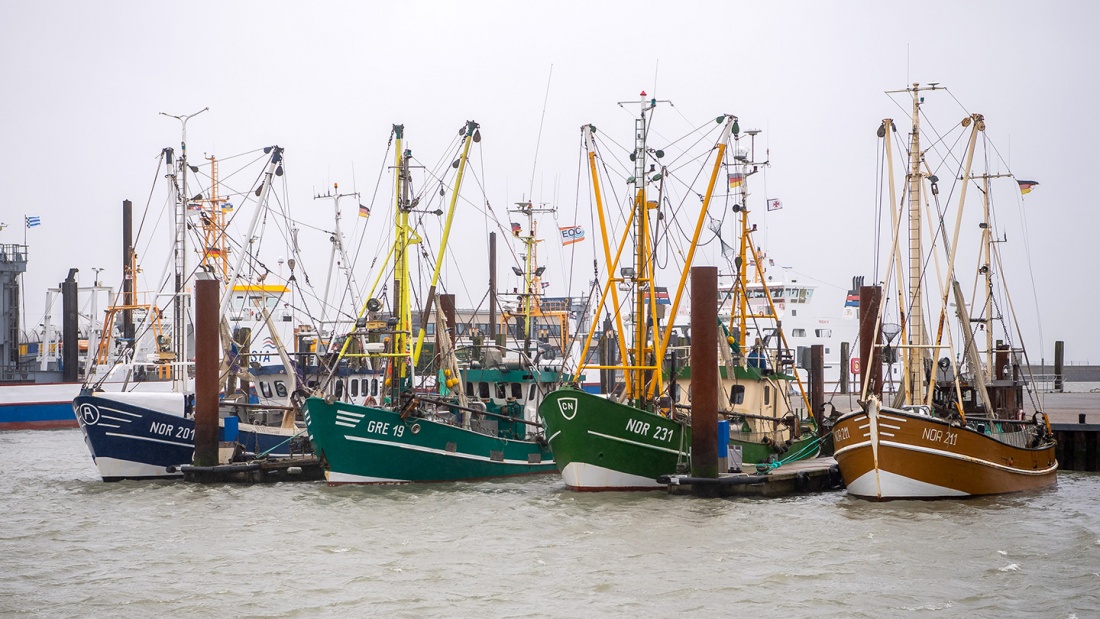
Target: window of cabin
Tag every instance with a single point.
(517, 391)
(502, 391)
(354, 384)
(374, 386)
(737, 394)
(531, 392)
(265, 389)
(483, 390)
(767, 394)
(469, 389)
(339, 389)
(823, 332)
(280, 389)
(798, 333)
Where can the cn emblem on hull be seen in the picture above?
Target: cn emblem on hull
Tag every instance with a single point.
(89, 414)
(568, 407)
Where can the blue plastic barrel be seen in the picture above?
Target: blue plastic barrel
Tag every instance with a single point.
(723, 438)
(231, 430)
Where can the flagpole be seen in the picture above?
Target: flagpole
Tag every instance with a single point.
(23, 287)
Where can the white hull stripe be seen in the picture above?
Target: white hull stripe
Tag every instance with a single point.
(442, 452)
(947, 454)
(118, 419)
(119, 411)
(636, 443)
(151, 440)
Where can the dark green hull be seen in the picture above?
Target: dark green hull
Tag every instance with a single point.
(603, 445)
(368, 445)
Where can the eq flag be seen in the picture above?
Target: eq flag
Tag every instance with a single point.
(571, 234)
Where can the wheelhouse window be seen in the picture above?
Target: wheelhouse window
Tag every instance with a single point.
(265, 389)
(737, 394)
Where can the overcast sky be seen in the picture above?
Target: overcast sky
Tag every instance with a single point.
(82, 85)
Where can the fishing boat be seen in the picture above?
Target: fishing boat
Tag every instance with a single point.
(956, 426)
(408, 434)
(146, 430)
(626, 439)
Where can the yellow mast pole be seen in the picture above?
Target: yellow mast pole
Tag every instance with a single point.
(720, 147)
(401, 307)
(470, 128)
(588, 131)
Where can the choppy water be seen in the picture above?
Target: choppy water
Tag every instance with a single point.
(71, 545)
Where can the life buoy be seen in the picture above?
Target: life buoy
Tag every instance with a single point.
(853, 365)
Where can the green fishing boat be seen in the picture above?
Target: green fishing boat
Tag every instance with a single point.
(623, 440)
(626, 439)
(414, 435)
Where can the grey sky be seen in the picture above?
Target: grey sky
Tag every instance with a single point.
(83, 83)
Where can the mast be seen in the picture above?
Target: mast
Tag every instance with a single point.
(179, 243)
(642, 278)
(403, 237)
(916, 354)
(338, 250)
(532, 272)
(915, 369)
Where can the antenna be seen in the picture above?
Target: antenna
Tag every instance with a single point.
(538, 141)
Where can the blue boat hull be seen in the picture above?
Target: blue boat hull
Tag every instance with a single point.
(131, 441)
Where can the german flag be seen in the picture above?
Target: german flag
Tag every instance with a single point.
(1025, 186)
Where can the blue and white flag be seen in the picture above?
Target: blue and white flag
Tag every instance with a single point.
(571, 234)
(34, 221)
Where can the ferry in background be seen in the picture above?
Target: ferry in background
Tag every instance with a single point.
(35, 393)
(808, 322)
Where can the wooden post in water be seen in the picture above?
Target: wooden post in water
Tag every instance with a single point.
(1059, 354)
(845, 363)
(817, 384)
(70, 337)
(870, 351)
(207, 367)
(704, 372)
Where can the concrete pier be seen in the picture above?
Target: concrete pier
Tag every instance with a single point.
(1075, 420)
